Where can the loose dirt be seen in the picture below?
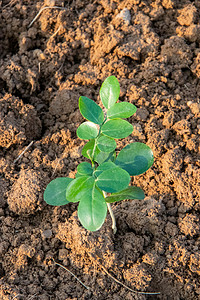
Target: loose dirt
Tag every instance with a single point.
(153, 48)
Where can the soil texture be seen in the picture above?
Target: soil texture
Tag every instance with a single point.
(46, 64)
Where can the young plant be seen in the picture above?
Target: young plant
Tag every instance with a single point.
(106, 178)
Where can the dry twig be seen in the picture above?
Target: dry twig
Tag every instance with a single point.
(31, 297)
(55, 32)
(125, 286)
(17, 296)
(31, 143)
(116, 280)
(41, 10)
(71, 274)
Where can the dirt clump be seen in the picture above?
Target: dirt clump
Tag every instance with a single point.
(18, 122)
(177, 51)
(189, 225)
(25, 196)
(187, 15)
(86, 244)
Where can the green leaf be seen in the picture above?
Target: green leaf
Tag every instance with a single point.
(121, 110)
(113, 180)
(106, 144)
(117, 128)
(92, 209)
(78, 188)
(85, 168)
(55, 193)
(109, 91)
(104, 157)
(90, 110)
(87, 131)
(135, 158)
(90, 150)
(103, 167)
(86, 147)
(131, 192)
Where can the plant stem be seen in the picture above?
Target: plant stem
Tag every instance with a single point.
(114, 227)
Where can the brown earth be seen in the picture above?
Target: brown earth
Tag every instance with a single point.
(153, 48)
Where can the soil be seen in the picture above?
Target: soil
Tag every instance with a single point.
(153, 48)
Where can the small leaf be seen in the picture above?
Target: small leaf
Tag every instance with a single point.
(135, 158)
(85, 168)
(109, 91)
(55, 193)
(90, 150)
(113, 180)
(117, 128)
(131, 192)
(103, 167)
(92, 209)
(106, 144)
(90, 110)
(88, 146)
(121, 110)
(104, 157)
(78, 188)
(87, 131)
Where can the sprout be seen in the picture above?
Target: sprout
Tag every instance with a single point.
(106, 172)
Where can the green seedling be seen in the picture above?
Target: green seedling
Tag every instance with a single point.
(106, 178)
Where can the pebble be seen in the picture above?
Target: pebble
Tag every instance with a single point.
(46, 233)
(189, 103)
(125, 15)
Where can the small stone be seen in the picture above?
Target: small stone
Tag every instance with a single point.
(189, 103)
(195, 108)
(47, 233)
(125, 15)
